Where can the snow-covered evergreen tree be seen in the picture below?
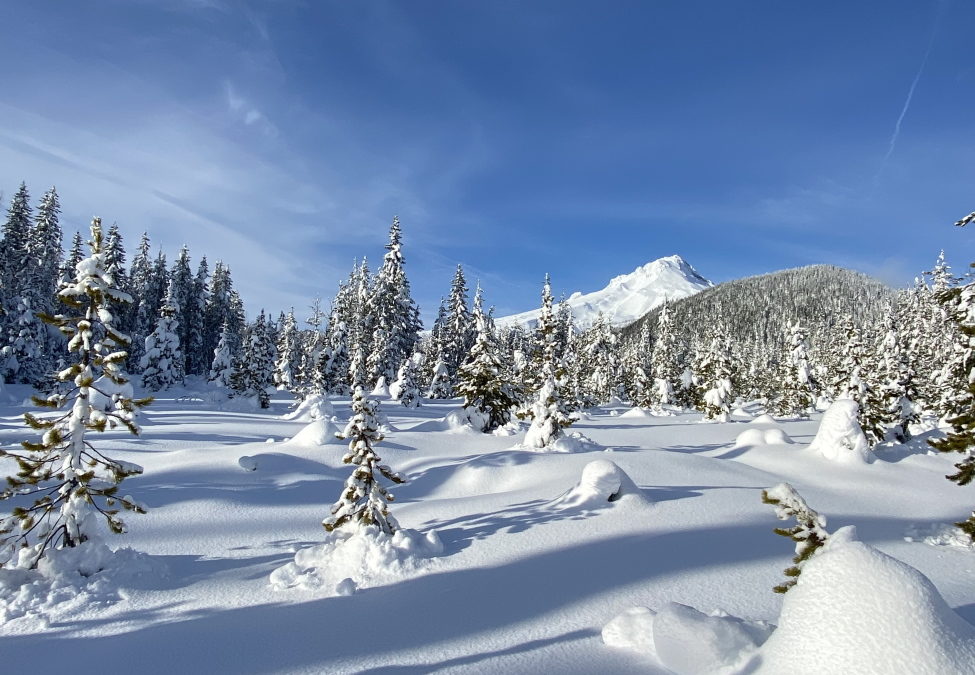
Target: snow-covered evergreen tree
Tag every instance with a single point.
(796, 384)
(458, 335)
(959, 302)
(407, 385)
(222, 366)
(854, 381)
(72, 482)
(194, 314)
(714, 378)
(74, 256)
(809, 533)
(254, 366)
(364, 500)
(395, 316)
(666, 362)
(480, 380)
(548, 414)
(289, 355)
(899, 392)
(162, 361)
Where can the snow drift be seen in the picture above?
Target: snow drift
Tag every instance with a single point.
(840, 437)
(602, 482)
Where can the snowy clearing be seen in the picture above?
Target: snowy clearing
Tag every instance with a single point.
(541, 550)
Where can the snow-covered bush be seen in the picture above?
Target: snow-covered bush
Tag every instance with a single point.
(840, 437)
(809, 532)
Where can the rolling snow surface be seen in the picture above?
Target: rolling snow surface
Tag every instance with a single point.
(499, 577)
(629, 296)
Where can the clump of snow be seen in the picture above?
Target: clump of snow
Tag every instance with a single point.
(764, 419)
(840, 437)
(857, 610)
(381, 388)
(940, 534)
(248, 463)
(104, 390)
(572, 442)
(464, 420)
(685, 640)
(689, 642)
(633, 630)
(601, 482)
(270, 440)
(70, 580)
(315, 407)
(638, 413)
(320, 431)
(753, 437)
(364, 555)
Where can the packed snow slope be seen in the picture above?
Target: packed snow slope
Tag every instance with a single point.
(627, 297)
(535, 560)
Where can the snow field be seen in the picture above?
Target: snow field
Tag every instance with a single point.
(534, 565)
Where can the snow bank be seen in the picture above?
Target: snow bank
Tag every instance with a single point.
(840, 437)
(857, 610)
(315, 407)
(362, 556)
(71, 580)
(638, 413)
(601, 482)
(318, 432)
(751, 437)
(685, 640)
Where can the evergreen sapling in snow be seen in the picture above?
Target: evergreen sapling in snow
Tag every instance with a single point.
(364, 500)
(71, 482)
(809, 532)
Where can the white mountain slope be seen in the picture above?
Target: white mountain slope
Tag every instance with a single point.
(629, 296)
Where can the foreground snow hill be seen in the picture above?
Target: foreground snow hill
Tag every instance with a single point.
(524, 557)
(629, 296)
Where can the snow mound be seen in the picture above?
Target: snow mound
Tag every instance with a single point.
(318, 432)
(633, 630)
(571, 442)
(751, 437)
(637, 412)
(315, 407)
(248, 463)
(104, 390)
(464, 420)
(741, 413)
(764, 419)
(602, 482)
(364, 555)
(690, 642)
(840, 437)
(857, 610)
(685, 640)
(940, 535)
(73, 580)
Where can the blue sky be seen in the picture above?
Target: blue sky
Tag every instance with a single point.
(577, 138)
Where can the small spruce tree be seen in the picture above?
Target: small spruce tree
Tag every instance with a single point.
(364, 500)
(809, 532)
(72, 482)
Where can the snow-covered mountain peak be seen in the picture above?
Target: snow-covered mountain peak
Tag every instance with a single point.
(629, 296)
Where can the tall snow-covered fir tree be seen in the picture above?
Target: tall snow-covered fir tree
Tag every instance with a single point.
(548, 414)
(481, 379)
(600, 358)
(899, 391)
(714, 373)
(643, 391)
(162, 360)
(194, 314)
(289, 355)
(457, 336)
(666, 360)
(364, 500)
(222, 366)
(141, 317)
(74, 256)
(254, 367)
(795, 396)
(395, 316)
(74, 484)
(13, 249)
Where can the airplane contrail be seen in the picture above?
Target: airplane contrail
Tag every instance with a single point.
(910, 94)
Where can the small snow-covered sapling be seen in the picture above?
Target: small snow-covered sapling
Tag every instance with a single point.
(809, 532)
